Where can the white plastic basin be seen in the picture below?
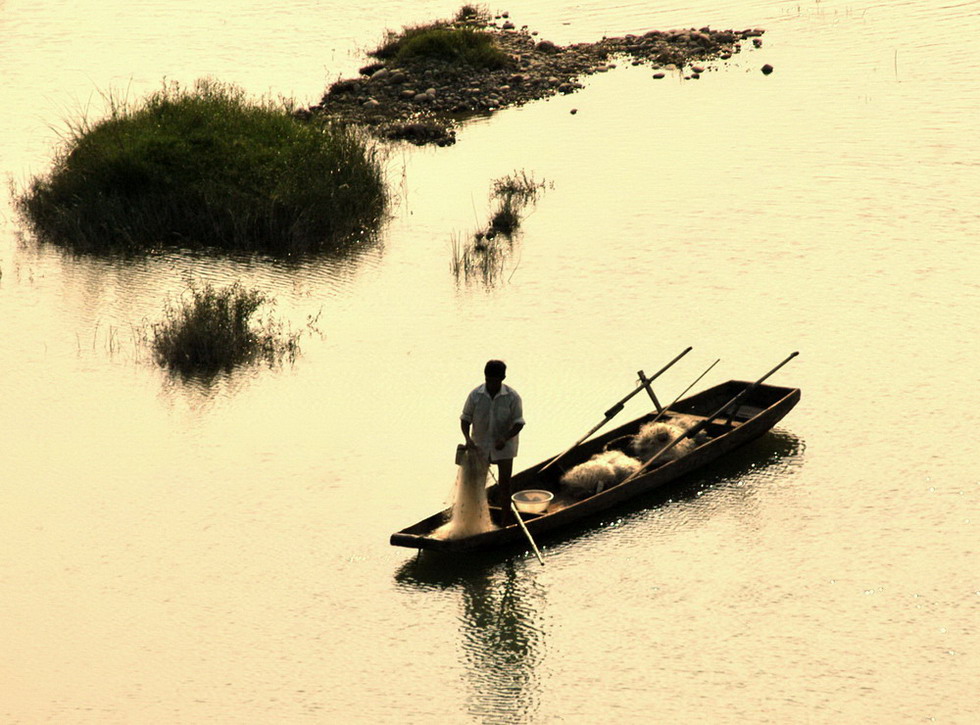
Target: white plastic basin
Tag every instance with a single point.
(532, 500)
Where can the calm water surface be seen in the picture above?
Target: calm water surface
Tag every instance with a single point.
(172, 553)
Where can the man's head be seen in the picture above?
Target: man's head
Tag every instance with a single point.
(494, 371)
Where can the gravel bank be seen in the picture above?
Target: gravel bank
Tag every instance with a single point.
(424, 101)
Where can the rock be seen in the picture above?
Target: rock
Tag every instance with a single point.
(573, 111)
(658, 76)
(697, 69)
(371, 103)
(767, 69)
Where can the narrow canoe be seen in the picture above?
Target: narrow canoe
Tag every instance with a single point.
(754, 415)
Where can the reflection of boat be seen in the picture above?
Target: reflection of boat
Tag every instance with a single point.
(723, 418)
(501, 633)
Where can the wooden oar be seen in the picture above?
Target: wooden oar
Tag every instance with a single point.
(609, 414)
(695, 429)
(527, 533)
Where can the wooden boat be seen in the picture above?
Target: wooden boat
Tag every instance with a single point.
(752, 410)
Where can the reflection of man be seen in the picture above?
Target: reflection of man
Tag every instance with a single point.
(496, 414)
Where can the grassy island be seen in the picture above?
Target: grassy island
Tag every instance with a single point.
(205, 167)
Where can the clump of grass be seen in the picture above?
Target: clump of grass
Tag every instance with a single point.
(512, 194)
(473, 15)
(457, 43)
(206, 167)
(484, 256)
(214, 329)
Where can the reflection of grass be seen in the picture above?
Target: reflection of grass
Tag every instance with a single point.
(213, 330)
(205, 167)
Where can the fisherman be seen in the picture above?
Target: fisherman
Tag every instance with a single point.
(496, 414)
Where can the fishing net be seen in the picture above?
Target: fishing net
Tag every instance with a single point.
(654, 437)
(470, 513)
(599, 472)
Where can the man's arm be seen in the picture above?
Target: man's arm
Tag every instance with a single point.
(514, 430)
(464, 425)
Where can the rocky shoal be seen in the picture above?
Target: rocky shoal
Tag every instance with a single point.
(422, 102)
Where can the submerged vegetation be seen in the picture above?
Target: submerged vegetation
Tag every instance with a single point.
(206, 167)
(212, 330)
(484, 255)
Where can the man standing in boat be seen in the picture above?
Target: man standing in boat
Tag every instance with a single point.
(496, 415)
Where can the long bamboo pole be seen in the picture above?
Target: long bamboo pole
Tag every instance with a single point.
(527, 533)
(695, 429)
(613, 411)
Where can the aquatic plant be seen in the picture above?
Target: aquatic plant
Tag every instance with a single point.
(485, 254)
(453, 43)
(213, 329)
(512, 194)
(480, 258)
(206, 167)
(473, 14)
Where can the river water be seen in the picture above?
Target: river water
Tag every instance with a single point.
(178, 553)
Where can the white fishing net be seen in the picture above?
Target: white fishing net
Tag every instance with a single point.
(470, 513)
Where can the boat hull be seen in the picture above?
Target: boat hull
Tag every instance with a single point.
(757, 413)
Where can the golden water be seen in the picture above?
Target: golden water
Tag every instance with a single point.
(181, 554)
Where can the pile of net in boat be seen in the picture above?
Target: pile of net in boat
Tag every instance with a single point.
(470, 513)
(613, 466)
